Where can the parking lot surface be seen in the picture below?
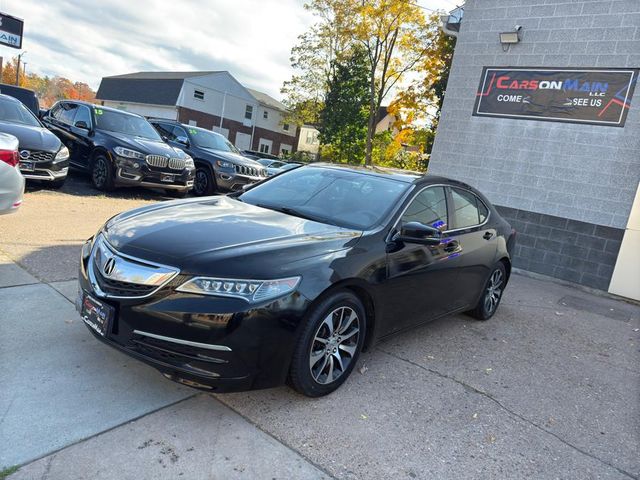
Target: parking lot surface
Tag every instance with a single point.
(548, 388)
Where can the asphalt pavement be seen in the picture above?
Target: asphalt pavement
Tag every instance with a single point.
(548, 388)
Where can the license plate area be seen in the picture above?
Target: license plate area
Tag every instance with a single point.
(96, 314)
(27, 166)
(166, 177)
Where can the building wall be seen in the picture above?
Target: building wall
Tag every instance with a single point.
(308, 139)
(563, 177)
(160, 111)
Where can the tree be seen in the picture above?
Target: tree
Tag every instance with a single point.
(344, 116)
(395, 36)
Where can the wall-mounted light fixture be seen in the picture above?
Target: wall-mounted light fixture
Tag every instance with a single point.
(509, 38)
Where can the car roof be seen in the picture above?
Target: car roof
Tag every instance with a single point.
(9, 97)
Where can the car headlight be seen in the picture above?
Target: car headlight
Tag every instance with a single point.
(62, 154)
(250, 290)
(128, 153)
(188, 162)
(223, 164)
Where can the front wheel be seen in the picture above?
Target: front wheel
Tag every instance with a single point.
(492, 294)
(203, 184)
(329, 345)
(102, 173)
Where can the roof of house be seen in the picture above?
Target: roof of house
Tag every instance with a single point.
(266, 99)
(160, 88)
(381, 113)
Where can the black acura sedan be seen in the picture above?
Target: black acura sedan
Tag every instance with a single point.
(292, 278)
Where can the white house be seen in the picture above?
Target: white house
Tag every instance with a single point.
(251, 120)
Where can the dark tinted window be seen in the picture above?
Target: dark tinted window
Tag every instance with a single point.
(328, 195)
(120, 122)
(165, 130)
(15, 112)
(465, 207)
(207, 139)
(66, 113)
(429, 207)
(83, 114)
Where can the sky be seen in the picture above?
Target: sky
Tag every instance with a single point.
(85, 40)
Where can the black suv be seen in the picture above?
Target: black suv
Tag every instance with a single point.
(119, 148)
(219, 165)
(42, 155)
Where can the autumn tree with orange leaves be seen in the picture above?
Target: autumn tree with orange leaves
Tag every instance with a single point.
(48, 89)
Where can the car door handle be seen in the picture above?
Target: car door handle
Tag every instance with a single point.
(452, 246)
(488, 235)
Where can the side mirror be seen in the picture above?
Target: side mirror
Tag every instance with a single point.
(182, 141)
(416, 232)
(81, 124)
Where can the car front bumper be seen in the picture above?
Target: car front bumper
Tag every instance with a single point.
(210, 343)
(48, 171)
(147, 176)
(231, 181)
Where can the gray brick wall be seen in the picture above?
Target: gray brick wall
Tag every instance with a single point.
(581, 172)
(575, 251)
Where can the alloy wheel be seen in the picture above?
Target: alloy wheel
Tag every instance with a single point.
(99, 172)
(334, 345)
(201, 182)
(494, 291)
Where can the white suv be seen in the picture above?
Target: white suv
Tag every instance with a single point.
(11, 180)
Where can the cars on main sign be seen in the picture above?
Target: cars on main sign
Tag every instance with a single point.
(42, 155)
(293, 277)
(219, 165)
(119, 148)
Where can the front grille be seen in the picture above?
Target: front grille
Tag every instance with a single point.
(250, 171)
(176, 163)
(159, 161)
(121, 289)
(39, 156)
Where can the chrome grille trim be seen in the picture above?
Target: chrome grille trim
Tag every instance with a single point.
(127, 268)
(39, 156)
(159, 161)
(177, 163)
(250, 171)
(208, 346)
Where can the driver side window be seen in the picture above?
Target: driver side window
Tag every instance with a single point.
(429, 207)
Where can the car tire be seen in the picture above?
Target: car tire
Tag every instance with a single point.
(203, 182)
(176, 193)
(56, 184)
(491, 293)
(102, 173)
(329, 345)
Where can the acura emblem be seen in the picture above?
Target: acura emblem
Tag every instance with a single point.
(109, 266)
(24, 154)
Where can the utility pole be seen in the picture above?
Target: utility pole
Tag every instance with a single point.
(18, 69)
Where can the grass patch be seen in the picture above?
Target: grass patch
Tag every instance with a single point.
(5, 472)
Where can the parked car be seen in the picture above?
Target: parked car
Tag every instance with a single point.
(42, 155)
(11, 180)
(275, 167)
(119, 148)
(219, 165)
(26, 96)
(293, 277)
(255, 155)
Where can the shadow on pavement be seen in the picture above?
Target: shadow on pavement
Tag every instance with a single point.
(53, 263)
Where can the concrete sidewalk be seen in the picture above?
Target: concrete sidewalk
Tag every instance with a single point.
(61, 389)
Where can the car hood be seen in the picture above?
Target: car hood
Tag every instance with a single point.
(232, 157)
(221, 235)
(32, 137)
(146, 146)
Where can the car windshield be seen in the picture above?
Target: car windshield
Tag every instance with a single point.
(206, 139)
(125, 123)
(16, 112)
(329, 195)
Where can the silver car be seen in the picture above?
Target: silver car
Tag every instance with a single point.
(11, 180)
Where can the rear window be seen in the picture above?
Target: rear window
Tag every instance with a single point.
(12, 111)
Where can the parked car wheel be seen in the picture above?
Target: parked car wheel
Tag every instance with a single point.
(102, 173)
(329, 345)
(177, 193)
(203, 184)
(57, 183)
(492, 294)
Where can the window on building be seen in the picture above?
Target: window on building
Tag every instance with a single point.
(285, 127)
(264, 148)
(193, 123)
(248, 112)
(199, 94)
(284, 152)
(265, 114)
(311, 137)
(465, 208)
(429, 207)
